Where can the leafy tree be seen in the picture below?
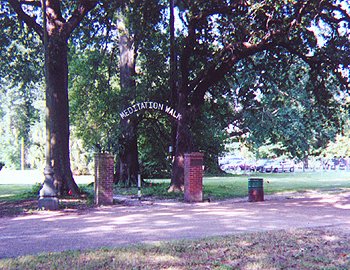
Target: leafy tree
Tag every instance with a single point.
(340, 147)
(151, 44)
(94, 98)
(221, 38)
(55, 35)
(19, 88)
(18, 113)
(118, 41)
(285, 111)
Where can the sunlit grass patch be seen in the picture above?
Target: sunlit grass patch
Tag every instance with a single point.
(235, 186)
(15, 192)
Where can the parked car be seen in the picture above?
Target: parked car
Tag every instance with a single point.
(270, 166)
(247, 165)
(279, 166)
(225, 159)
(259, 165)
(287, 166)
(232, 164)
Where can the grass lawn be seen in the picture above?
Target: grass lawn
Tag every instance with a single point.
(223, 187)
(216, 188)
(283, 182)
(15, 192)
(297, 249)
(18, 199)
(235, 186)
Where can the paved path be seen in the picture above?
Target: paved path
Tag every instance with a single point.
(123, 225)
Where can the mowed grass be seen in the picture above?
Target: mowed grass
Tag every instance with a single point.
(218, 188)
(295, 249)
(16, 192)
(223, 187)
(235, 186)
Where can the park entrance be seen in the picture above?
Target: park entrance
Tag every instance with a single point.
(104, 163)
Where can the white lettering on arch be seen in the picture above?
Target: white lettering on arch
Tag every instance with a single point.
(150, 105)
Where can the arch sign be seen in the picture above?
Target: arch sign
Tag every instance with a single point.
(150, 105)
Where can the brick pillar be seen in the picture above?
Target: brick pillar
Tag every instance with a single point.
(194, 177)
(104, 176)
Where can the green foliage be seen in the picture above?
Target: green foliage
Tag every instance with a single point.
(291, 96)
(20, 87)
(12, 127)
(291, 88)
(284, 110)
(274, 97)
(88, 191)
(270, 150)
(94, 99)
(82, 160)
(153, 153)
(22, 119)
(35, 189)
(209, 133)
(340, 146)
(35, 153)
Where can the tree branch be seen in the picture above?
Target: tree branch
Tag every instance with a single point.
(344, 15)
(311, 61)
(230, 55)
(84, 6)
(31, 3)
(222, 10)
(191, 37)
(30, 21)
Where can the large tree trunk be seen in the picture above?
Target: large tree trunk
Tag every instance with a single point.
(55, 36)
(183, 134)
(173, 76)
(58, 109)
(184, 144)
(128, 159)
(128, 163)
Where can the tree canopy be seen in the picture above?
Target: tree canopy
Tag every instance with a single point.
(274, 71)
(223, 38)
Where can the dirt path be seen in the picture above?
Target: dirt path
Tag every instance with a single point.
(123, 225)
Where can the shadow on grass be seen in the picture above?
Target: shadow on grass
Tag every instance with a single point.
(293, 249)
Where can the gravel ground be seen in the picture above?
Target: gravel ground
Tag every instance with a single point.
(151, 221)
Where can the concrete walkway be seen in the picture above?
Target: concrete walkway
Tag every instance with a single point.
(121, 225)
